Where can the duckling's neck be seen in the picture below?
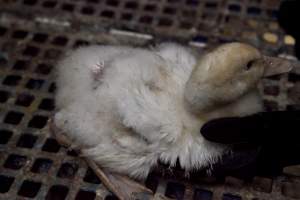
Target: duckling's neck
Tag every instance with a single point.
(198, 97)
(202, 105)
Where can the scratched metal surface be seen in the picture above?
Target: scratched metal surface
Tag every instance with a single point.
(34, 33)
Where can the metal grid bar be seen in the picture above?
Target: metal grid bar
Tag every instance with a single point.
(35, 33)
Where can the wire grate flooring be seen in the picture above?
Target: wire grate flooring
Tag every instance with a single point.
(35, 33)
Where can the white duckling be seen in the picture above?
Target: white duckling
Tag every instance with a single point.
(128, 108)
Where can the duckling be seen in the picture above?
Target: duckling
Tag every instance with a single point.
(128, 108)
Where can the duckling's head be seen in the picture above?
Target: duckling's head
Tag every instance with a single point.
(227, 73)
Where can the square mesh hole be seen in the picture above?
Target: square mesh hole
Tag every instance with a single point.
(201, 194)
(93, 1)
(27, 140)
(127, 16)
(85, 195)
(15, 161)
(49, 4)
(234, 7)
(4, 95)
(192, 2)
(146, 19)
(13, 117)
(91, 177)
(231, 197)
(31, 51)
(274, 77)
(47, 104)
(67, 170)
(131, 5)
(72, 152)
(211, 5)
(87, 10)
(111, 197)
(41, 165)
(5, 135)
(19, 34)
(3, 61)
(40, 37)
(185, 25)
(293, 77)
(175, 190)
(68, 7)
(35, 84)
(3, 30)
(51, 145)
(114, 3)
(24, 99)
(38, 121)
(30, 2)
(29, 189)
(169, 10)
(12, 80)
(60, 41)
(164, 22)
(107, 13)
(6, 182)
(21, 65)
(254, 11)
(150, 7)
(57, 192)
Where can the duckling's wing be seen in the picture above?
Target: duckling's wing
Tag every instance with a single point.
(151, 104)
(75, 71)
(150, 115)
(142, 97)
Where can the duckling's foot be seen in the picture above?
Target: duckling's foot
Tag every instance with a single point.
(122, 186)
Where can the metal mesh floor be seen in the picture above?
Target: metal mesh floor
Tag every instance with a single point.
(34, 33)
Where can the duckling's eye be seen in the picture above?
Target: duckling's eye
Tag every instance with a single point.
(249, 64)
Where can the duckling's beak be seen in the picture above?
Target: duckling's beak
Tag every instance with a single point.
(274, 66)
